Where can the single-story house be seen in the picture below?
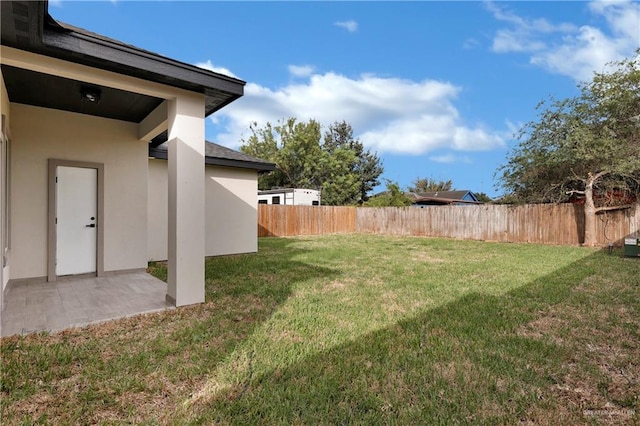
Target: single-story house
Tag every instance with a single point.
(83, 191)
(231, 182)
(441, 198)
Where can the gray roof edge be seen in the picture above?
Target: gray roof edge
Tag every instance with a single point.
(84, 34)
(262, 167)
(247, 162)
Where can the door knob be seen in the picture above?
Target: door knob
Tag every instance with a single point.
(93, 225)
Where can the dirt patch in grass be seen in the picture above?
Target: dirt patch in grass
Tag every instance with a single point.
(599, 373)
(543, 327)
(39, 405)
(339, 285)
(392, 305)
(424, 257)
(454, 371)
(288, 336)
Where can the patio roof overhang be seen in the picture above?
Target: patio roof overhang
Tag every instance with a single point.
(27, 26)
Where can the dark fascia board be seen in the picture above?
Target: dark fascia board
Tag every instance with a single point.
(262, 167)
(87, 49)
(162, 154)
(107, 50)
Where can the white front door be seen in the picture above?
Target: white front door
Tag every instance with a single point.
(76, 220)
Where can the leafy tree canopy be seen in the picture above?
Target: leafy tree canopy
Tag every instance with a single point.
(394, 196)
(482, 197)
(337, 164)
(587, 146)
(430, 185)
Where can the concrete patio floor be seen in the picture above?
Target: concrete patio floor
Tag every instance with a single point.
(76, 302)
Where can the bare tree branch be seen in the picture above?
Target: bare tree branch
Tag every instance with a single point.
(610, 208)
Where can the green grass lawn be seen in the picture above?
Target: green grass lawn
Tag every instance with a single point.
(356, 329)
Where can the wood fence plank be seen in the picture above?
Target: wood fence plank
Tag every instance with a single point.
(561, 224)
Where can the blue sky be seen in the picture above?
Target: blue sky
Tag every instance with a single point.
(437, 89)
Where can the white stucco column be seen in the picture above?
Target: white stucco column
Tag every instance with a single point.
(186, 200)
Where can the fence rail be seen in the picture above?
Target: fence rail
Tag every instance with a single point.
(535, 223)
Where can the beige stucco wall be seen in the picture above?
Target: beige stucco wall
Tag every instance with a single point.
(231, 216)
(231, 211)
(5, 111)
(39, 134)
(158, 205)
(4, 98)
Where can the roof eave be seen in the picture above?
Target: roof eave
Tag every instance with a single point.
(261, 167)
(162, 154)
(85, 49)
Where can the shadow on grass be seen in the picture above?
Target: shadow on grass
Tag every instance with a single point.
(536, 354)
(126, 369)
(242, 292)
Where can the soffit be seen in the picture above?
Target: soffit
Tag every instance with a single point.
(49, 91)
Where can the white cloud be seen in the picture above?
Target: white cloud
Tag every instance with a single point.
(450, 158)
(510, 41)
(387, 114)
(220, 70)
(569, 49)
(350, 25)
(470, 43)
(301, 70)
(513, 128)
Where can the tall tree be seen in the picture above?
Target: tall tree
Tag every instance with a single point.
(300, 155)
(430, 185)
(338, 165)
(366, 166)
(586, 146)
(263, 143)
(293, 147)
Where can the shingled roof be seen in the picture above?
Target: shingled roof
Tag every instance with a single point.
(452, 195)
(219, 155)
(443, 197)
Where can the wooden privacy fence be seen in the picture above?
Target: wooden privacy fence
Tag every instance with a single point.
(286, 221)
(535, 223)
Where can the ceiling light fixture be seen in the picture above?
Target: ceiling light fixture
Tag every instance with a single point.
(90, 94)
